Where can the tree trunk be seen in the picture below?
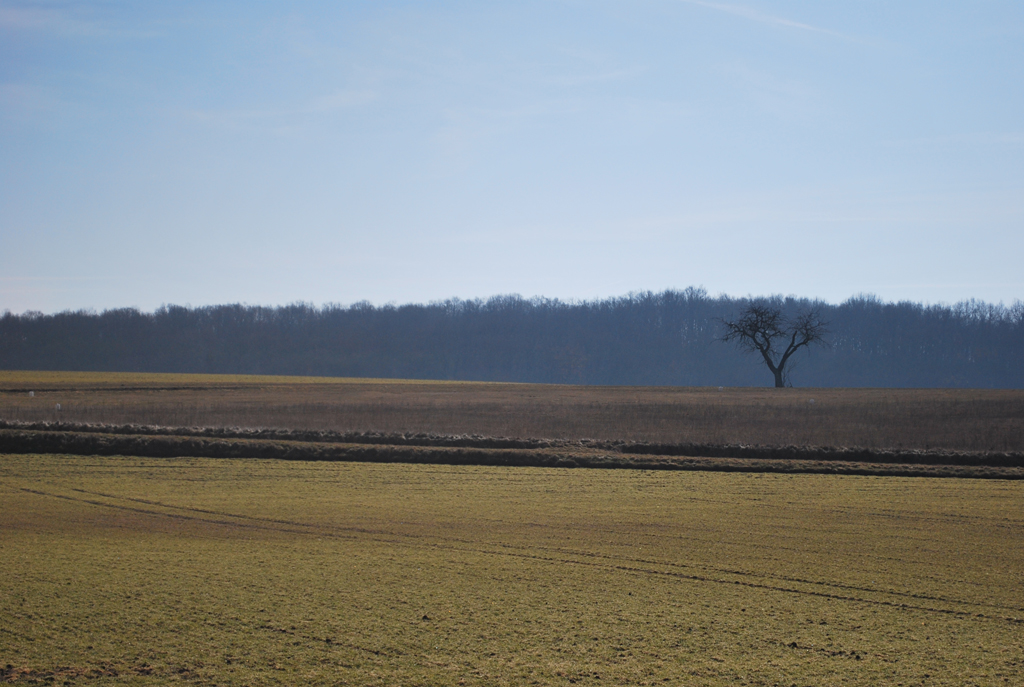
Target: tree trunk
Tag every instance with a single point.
(779, 382)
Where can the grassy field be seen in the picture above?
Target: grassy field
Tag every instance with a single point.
(124, 570)
(972, 420)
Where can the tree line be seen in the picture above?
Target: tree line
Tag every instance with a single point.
(669, 338)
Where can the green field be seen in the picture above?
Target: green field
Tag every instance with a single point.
(149, 571)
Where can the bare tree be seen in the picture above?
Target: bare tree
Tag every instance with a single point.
(762, 328)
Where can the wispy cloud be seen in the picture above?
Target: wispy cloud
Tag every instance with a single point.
(600, 77)
(787, 99)
(14, 18)
(469, 126)
(26, 18)
(49, 279)
(24, 98)
(755, 15)
(340, 100)
(284, 119)
(65, 22)
(39, 105)
(976, 138)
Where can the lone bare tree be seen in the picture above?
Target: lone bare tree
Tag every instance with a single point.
(762, 328)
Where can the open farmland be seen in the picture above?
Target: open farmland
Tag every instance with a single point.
(240, 568)
(139, 571)
(966, 420)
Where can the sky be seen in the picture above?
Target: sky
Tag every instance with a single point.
(198, 153)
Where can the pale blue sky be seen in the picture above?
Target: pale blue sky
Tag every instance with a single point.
(261, 152)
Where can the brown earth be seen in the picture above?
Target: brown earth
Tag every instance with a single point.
(959, 420)
(165, 442)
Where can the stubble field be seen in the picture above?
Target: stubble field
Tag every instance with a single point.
(144, 571)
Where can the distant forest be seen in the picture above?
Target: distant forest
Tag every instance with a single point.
(669, 338)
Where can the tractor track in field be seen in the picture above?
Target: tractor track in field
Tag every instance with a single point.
(607, 562)
(317, 529)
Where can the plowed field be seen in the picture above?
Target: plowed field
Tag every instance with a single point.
(954, 419)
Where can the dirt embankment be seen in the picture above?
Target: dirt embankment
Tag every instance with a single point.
(166, 442)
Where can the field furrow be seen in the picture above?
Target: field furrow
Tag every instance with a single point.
(134, 570)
